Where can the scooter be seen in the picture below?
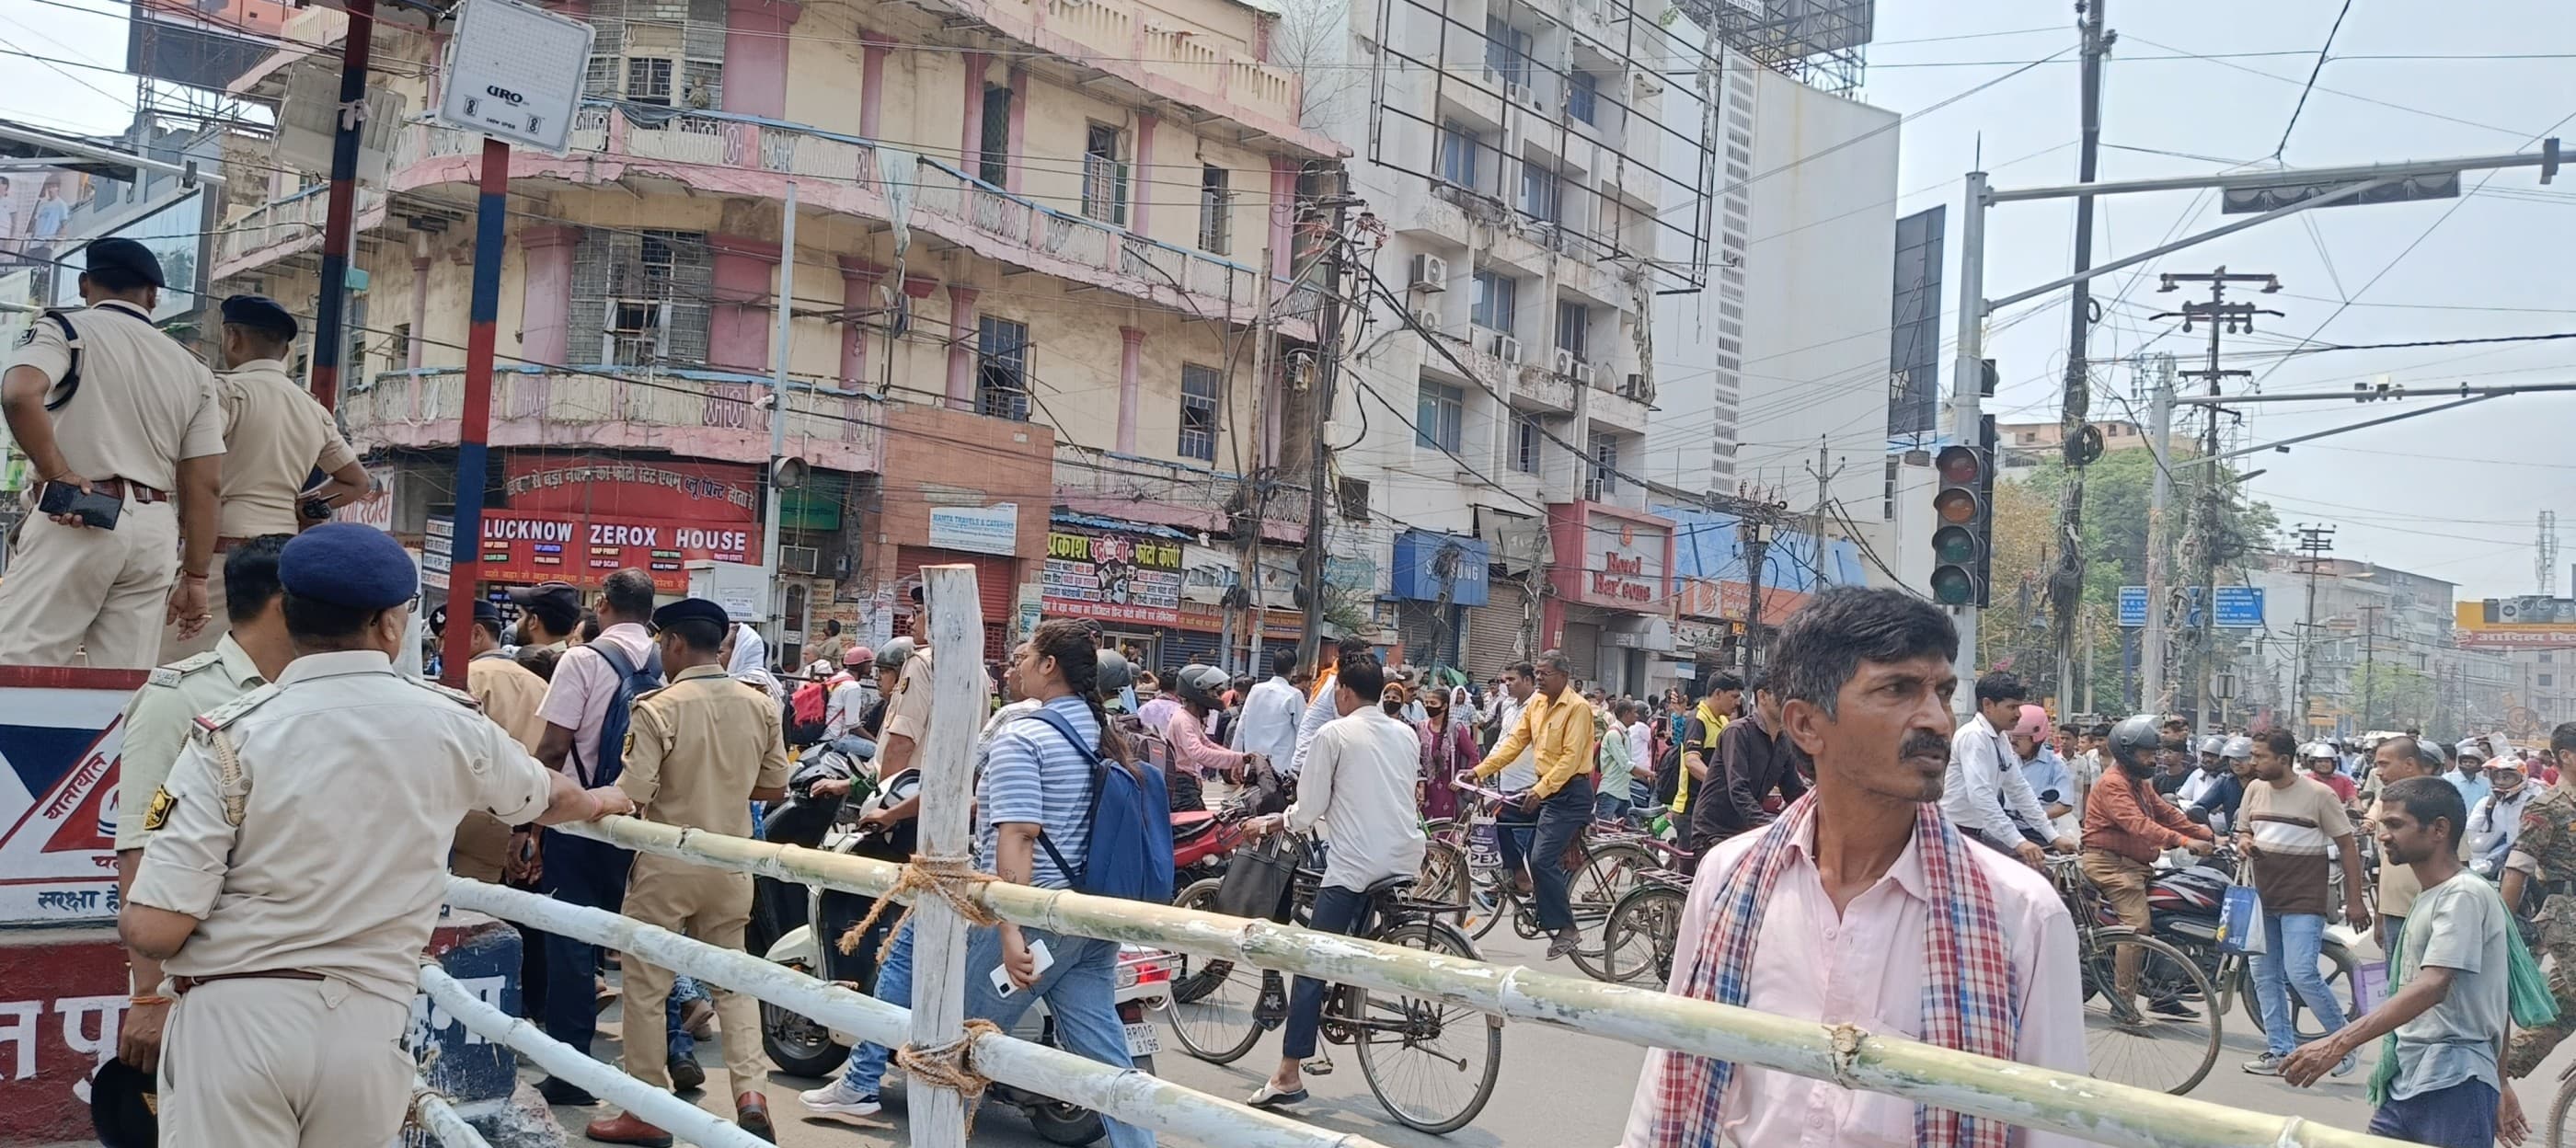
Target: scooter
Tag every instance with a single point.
(802, 1046)
(1201, 841)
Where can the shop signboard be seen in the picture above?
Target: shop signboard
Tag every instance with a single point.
(689, 491)
(1113, 576)
(526, 546)
(1626, 556)
(991, 529)
(1425, 562)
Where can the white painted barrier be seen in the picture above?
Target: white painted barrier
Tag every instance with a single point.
(432, 1112)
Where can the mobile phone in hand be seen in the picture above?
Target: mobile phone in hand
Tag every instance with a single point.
(1037, 953)
(97, 508)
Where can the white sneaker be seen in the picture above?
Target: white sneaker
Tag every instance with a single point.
(839, 1099)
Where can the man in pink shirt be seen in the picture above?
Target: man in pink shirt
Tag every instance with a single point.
(1863, 905)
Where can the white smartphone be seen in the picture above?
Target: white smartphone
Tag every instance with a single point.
(1037, 953)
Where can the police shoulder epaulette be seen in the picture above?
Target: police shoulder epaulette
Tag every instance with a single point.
(458, 696)
(232, 711)
(169, 675)
(651, 692)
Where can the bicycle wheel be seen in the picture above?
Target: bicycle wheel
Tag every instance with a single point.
(1610, 870)
(2125, 1041)
(1442, 880)
(1637, 941)
(2562, 1114)
(1431, 1063)
(1213, 1001)
(1488, 900)
(2335, 963)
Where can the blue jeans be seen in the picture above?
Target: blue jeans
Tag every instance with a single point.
(1336, 910)
(867, 1064)
(1081, 992)
(2461, 1116)
(592, 874)
(2291, 942)
(1610, 807)
(1563, 815)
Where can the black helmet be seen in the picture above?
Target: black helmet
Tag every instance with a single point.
(1200, 685)
(2136, 738)
(1112, 673)
(892, 655)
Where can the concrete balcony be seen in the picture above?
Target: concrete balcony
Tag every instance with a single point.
(1176, 494)
(1537, 387)
(725, 154)
(701, 414)
(1612, 407)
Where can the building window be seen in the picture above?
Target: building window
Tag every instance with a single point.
(1216, 210)
(648, 81)
(2545, 681)
(1583, 97)
(642, 295)
(1525, 440)
(1574, 330)
(1604, 480)
(400, 346)
(1439, 415)
(1507, 51)
(1458, 147)
(993, 157)
(1104, 176)
(1352, 495)
(1542, 196)
(1002, 368)
(1198, 412)
(1496, 301)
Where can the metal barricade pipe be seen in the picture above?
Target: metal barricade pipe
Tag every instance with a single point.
(1123, 1093)
(670, 1113)
(432, 1112)
(2020, 1094)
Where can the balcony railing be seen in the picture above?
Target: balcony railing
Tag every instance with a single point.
(1169, 493)
(715, 149)
(705, 413)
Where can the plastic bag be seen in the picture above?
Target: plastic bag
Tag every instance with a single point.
(2240, 921)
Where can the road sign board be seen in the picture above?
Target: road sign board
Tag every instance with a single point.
(514, 73)
(2239, 607)
(2272, 197)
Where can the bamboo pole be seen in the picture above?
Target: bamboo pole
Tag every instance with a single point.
(1135, 1097)
(680, 1118)
(946, 758)
(432, 1112)
(2020, 1094)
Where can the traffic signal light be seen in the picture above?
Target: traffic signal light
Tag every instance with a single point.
(1962, 528)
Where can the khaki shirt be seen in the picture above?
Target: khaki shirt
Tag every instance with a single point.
(352, 779)
(159, 719)
(144, 402)
(276, 434)
(696, 748)
(509, 693)
(908, 711)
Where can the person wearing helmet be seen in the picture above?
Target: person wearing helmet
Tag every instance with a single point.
(2212, 766)
(1984, 792)
(2471, 776)
(1196, 689)
(2325, 764)
(2495, 823)
(2218, 803)
(2044, 770)
(852, 693)
(2127, 827)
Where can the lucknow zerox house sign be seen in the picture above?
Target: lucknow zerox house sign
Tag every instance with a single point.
(514, 73)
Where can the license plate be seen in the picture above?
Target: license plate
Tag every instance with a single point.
(1143, 1039)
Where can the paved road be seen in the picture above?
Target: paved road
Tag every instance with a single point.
(1558, 1089)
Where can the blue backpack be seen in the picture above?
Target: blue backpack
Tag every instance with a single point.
(631, 681)
(1130, 815)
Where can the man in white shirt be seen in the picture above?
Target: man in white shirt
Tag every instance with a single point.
(1520, 680)
(1984, 780)
(1641, 753)
(1358, 786)
(1268, 724)
(853, 693)
(1320, 711)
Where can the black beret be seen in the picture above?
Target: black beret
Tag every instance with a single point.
(485, 611)
(128, 256)
(691, 610)
(260, 313)
(124, 1106)
(350, 565)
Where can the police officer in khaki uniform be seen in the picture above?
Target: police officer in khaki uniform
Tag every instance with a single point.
(101, 401)
(698, 753)
(276, 435)
(157, 724)
(298, 855)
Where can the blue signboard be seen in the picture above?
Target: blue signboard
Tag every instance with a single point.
(2239, 607)
(1419, 565)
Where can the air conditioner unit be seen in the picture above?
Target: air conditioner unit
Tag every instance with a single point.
(1634, 386)
(1430, 273)
(1503, 347)
(1516, 92)
(799, 559)
(1427, 319)
(1582, 374)
(1566, 361)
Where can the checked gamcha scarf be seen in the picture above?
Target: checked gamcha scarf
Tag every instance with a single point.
(1970, 1000)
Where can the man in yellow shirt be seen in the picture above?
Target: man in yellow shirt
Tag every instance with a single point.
(1558, 722)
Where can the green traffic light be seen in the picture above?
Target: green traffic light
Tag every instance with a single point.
(1954, 545)
(1952, 586)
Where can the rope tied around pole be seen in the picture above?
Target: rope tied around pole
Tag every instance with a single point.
(947, 877)
(950, 1064)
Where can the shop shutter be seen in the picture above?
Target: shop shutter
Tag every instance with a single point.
(1496, 631)
(1178, 645)
(1583, 650)
(996, 586)
(1417, 626)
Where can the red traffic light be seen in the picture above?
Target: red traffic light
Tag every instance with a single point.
(1959, 465)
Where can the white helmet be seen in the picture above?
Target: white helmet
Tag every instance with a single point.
(2237, 749)
(2213, 744)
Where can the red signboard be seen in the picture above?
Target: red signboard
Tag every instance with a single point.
(685, 491)
(584, 549)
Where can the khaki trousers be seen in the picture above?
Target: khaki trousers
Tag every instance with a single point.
(2123, 883)
(71, 588)
(264, 1063)
(710, 906)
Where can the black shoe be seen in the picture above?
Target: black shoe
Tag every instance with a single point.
(563, 1093)
(686, 1076)
(2173, 1007)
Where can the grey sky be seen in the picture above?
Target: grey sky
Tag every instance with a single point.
(2454, 496)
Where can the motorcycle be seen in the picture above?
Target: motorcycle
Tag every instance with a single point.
(1201, 841)
(2183, 909)
(802, 1046)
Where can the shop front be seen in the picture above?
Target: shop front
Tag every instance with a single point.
(1611, 585)
(1126, 576)
(1437, 578)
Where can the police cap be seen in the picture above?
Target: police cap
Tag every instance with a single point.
(346, 564)
(691, 610)
(124, 1106)
(485, 611)
(127, 256)
(259, 313)
(557, 604)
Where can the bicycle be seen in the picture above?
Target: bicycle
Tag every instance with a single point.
(1220, 1008)
(2123, 1041)
(1611, 866)
(1644, 928)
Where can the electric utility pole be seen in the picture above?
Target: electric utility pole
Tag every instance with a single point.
(2223, 318)
(2151, 644)
(1328, 359)
(2315, 542)
(2369, 663)
(2075, 434)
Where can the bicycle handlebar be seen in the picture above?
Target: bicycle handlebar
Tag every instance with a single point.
(1462, 784)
